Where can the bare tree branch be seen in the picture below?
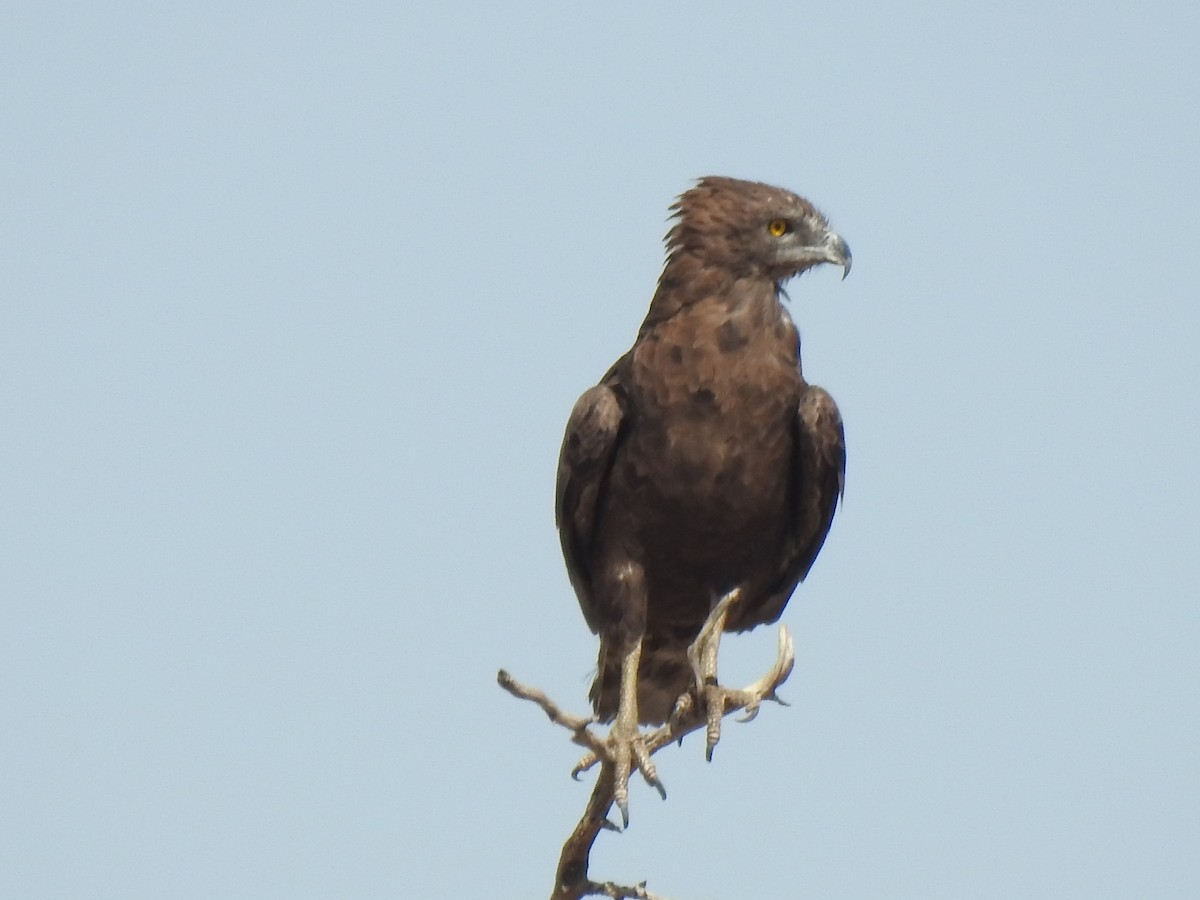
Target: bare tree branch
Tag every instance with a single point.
(571, 880)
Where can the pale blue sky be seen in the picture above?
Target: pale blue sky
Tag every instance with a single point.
(296, 302)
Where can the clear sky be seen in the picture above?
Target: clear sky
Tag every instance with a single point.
(296, 301)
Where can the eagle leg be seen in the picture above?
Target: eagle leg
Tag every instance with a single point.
(626, 743)
(703, 656)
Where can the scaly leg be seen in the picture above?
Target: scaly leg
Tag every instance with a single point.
(626, 743)
(703, 656)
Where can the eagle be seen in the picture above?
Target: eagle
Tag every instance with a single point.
(703, 471)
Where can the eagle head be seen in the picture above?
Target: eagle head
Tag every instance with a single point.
(753, 230)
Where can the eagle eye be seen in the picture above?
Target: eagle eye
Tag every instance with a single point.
(779, 227)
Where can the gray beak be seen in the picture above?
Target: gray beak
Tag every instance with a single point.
(837, 251)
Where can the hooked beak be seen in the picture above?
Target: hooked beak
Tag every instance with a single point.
(837, 251)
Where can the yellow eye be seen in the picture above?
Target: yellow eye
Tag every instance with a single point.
(778, 227)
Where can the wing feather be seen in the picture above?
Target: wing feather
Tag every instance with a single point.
(821, 461)
(818, 482)
(584, 463)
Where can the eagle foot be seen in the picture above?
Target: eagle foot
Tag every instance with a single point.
(715, 698)
(626, 750)
(718, 699)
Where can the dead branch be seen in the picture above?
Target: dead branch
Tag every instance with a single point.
(571, 879)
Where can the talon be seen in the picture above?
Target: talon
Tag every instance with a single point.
(583, 765)
(621, 783)
(628, 753)
(682, 707)
(623, 806)
(712, 738)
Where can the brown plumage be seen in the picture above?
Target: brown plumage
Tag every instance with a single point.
(703, 461)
